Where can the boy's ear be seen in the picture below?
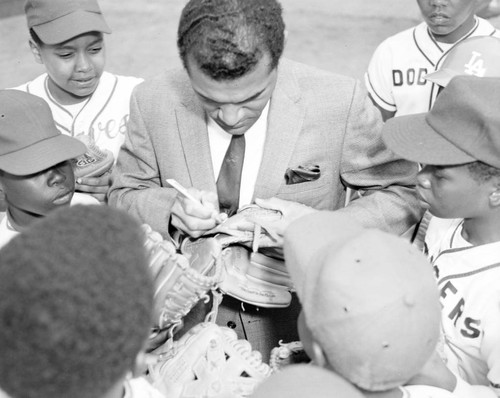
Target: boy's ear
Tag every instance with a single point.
(494, 197)
(318, 355)
(35, 50)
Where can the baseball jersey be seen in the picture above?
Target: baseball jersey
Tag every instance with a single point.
(419, 391)
(103, 116)
(395, 76)
(7, 232)
(468, 278)
(140, 388)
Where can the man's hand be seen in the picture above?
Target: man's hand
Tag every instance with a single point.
(96, 186)
(196, 217)
(290, 211)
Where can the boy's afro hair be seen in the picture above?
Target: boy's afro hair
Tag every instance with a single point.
(75, 304)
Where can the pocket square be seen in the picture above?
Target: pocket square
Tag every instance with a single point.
(296, 175)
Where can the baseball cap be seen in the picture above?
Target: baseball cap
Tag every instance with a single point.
(56, 21)
(462, 127)
(369, 298)
(298, 381)
(29, 139)
(475, 56)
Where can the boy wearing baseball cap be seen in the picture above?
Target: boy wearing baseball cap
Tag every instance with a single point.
(458, 143)
(370, 305)
(74, 315)
(36, 168)
(86, 102)
(395, 76)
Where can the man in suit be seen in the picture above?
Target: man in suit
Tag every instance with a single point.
(308, 136)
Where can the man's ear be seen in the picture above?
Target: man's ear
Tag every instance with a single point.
(35, 50)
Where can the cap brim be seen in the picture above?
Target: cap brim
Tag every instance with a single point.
(308, 235)
(71, 25)
(42, 155)
(412, 138)
(441, 77)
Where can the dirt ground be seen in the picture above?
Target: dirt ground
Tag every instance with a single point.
(335, 35)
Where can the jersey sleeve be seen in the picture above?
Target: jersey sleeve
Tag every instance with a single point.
(378, 78)
(421, 391)
(466, 390)
(490, 346)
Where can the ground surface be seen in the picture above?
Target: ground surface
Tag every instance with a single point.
(336, 35)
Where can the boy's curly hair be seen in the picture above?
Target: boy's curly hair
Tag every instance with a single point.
(75, 304)
(482, 172)
(227, 38)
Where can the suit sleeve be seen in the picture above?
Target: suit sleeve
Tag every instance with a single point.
(388, 183)
(136, 185)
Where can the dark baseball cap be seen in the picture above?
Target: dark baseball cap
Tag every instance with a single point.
(462, 127)
(29, 139)
(56, 21)
(369, 298)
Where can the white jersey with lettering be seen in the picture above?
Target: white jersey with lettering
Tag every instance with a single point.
(395, 76)
(420, 391)
(103, 116)
(469, 282)
(140, 388)
(7, 231)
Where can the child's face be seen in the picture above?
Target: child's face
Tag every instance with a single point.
(74, 67)
(448, 20)
(38, 194)
(451, 192)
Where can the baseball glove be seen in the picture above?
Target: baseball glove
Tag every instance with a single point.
(180, 281)
(95, 162)
(253, 267)
(208, 361)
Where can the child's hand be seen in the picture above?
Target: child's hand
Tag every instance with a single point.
(96, 186)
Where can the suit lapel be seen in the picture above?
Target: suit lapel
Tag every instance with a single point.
(195, 145)
(286, 116)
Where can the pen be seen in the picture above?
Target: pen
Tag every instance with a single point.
(219, 217)
(179, 188)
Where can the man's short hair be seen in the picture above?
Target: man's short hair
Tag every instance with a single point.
(75, 304)
(227, 38)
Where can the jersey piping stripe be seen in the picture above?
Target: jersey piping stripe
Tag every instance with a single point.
(378, 96)
(105, 105)
(91, 131)
(51, 98)
(420, 49)
(467, 274)
(79, 112)
(433, 39)
(61, 127)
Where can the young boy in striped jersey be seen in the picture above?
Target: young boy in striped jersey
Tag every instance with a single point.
(395, 76)
(458, 144)
(86, 102)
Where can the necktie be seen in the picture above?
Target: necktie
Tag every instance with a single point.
(229, 180)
